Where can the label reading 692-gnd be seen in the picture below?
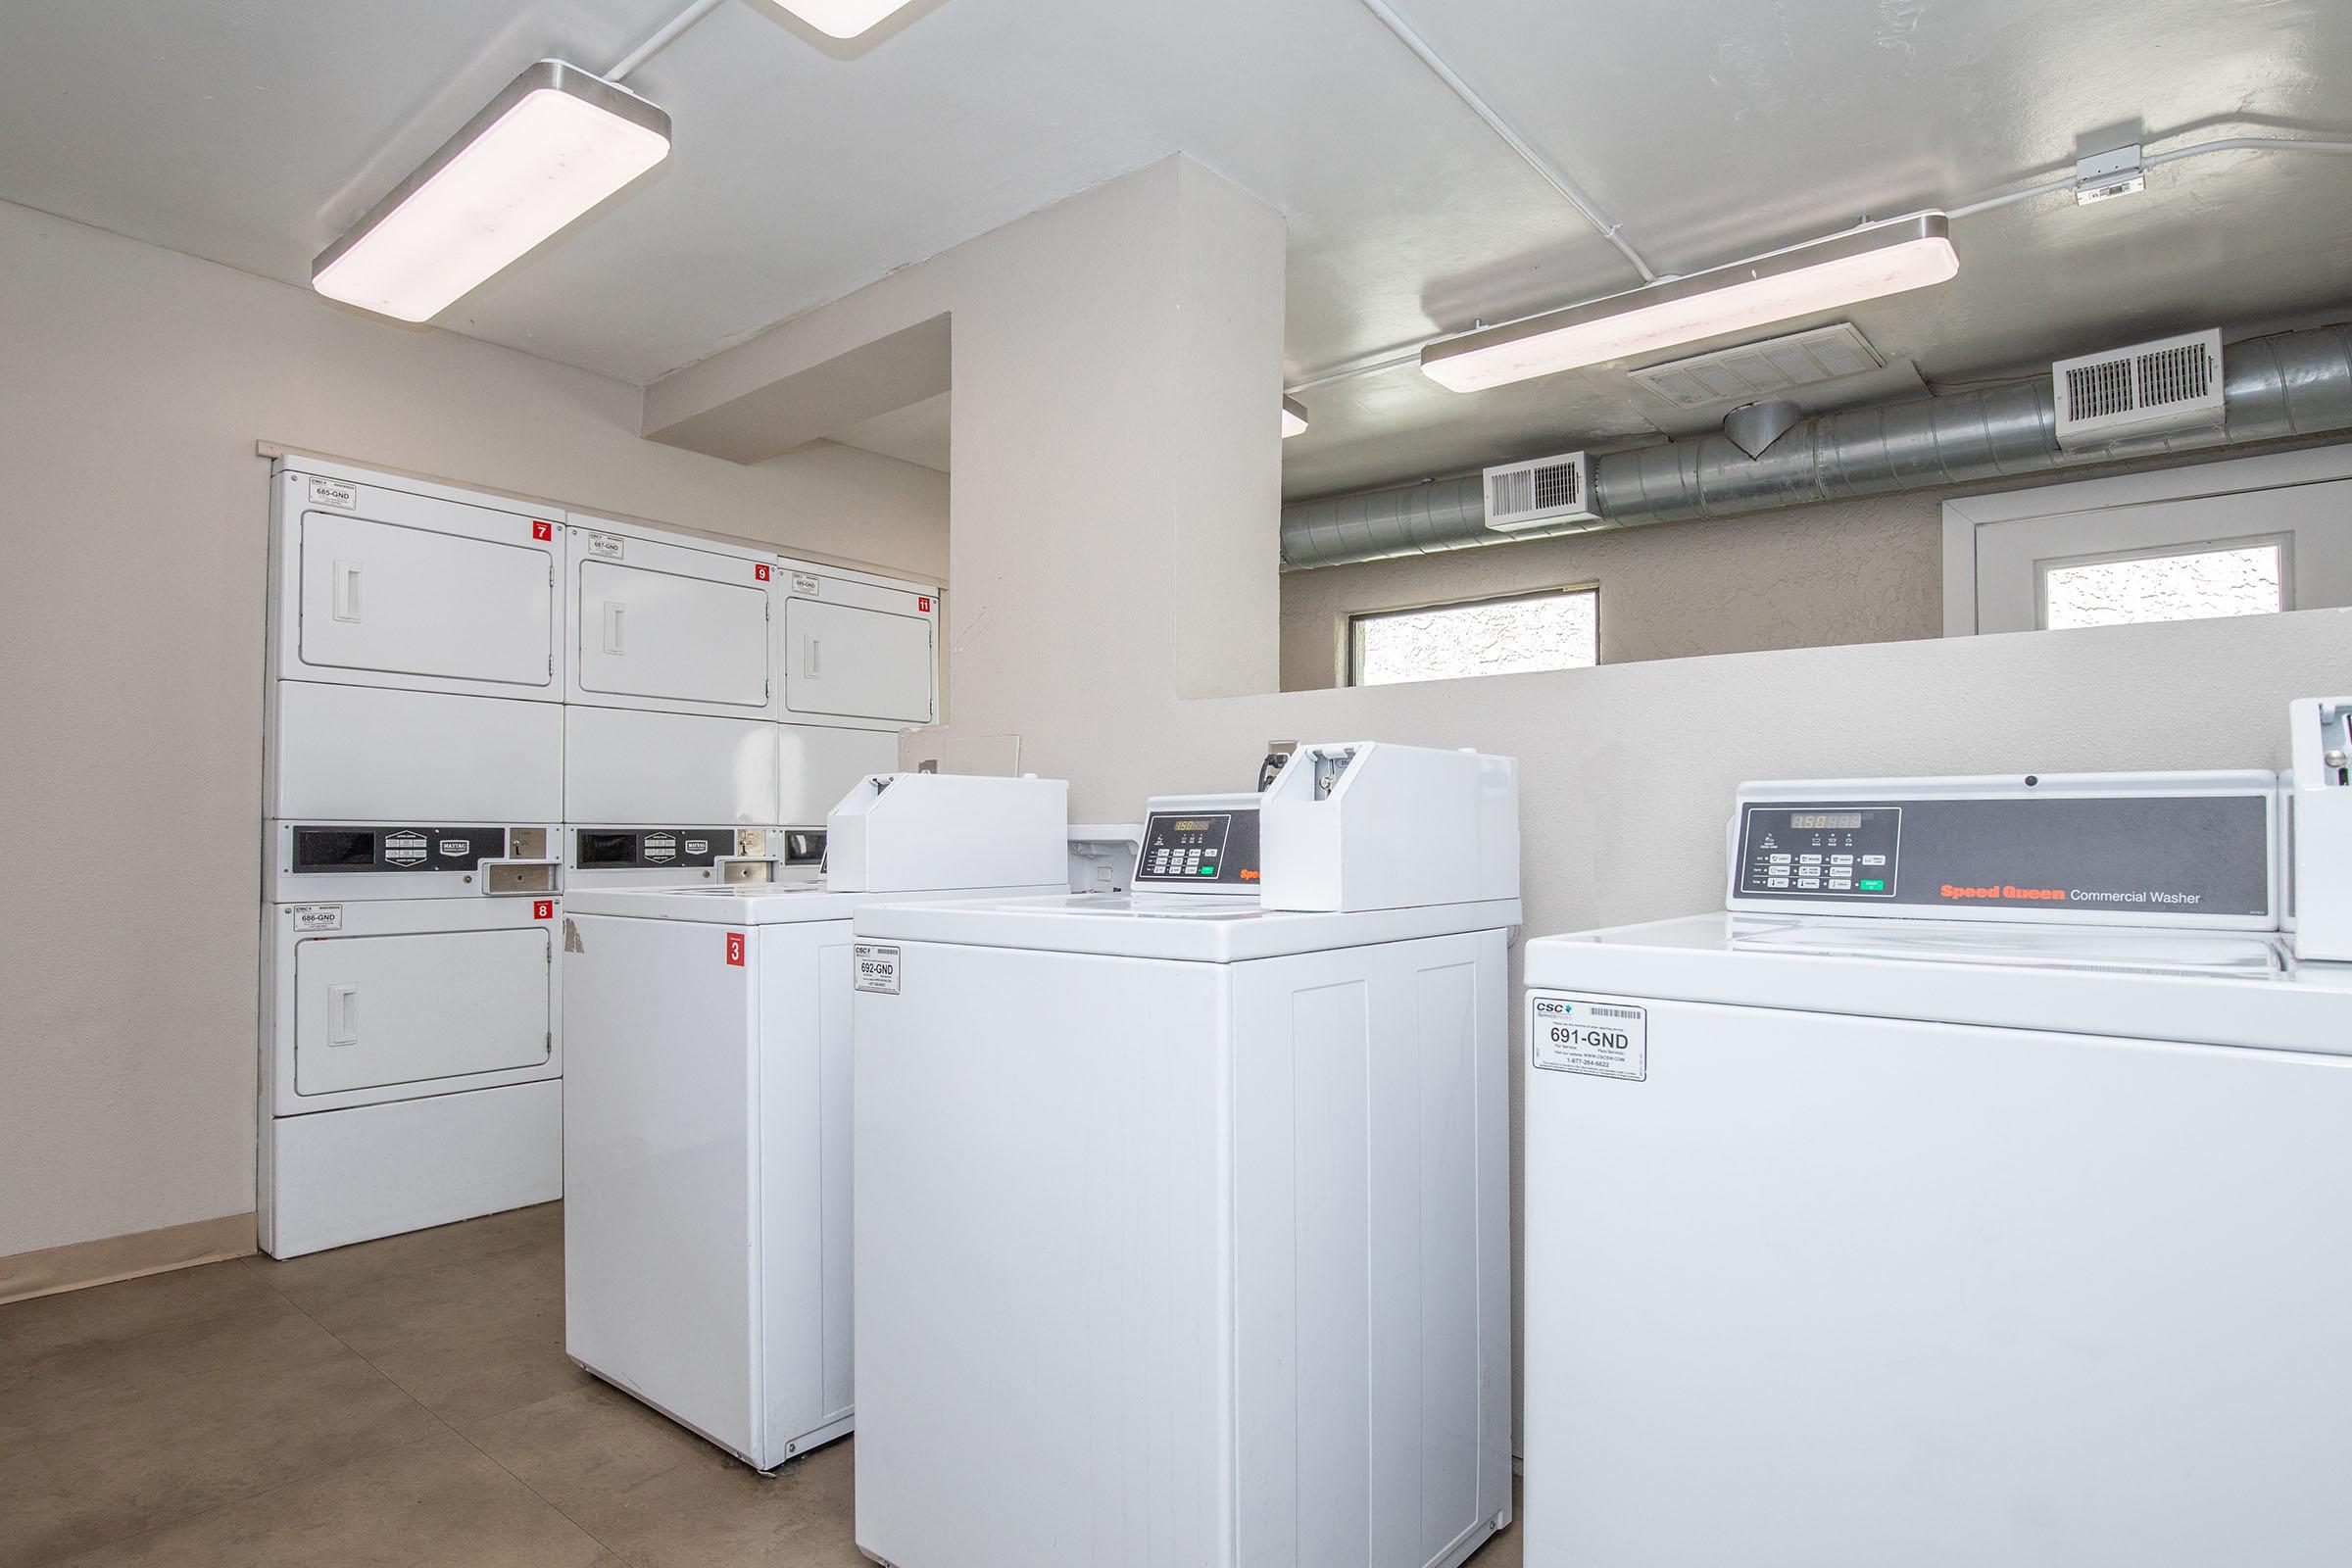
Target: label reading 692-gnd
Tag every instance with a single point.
(1605, 1039)
(877, 968)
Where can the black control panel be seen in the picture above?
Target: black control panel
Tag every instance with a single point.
(348, 850)
(1212, 849)
(2138, 856)
(650, 848)
(1843, 851)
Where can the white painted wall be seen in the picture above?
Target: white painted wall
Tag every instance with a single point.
(1627, 771)
(133, 513)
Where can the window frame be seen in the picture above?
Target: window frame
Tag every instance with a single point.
(2281, 541)
(1352, 644)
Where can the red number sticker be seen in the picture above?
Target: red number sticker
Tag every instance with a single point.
(759, 572)
(923, 604)
(543, 530)
(735, 948)
(543, 909)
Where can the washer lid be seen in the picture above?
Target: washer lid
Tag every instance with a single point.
(738, 905)
(1195, 927)
(2135, 982)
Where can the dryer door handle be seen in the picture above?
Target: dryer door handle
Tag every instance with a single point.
(347, 590)
(613, 610)
(808, 658)
(343, 1015)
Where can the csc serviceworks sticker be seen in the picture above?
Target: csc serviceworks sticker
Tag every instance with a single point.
(1604, 1038)
(877, 968)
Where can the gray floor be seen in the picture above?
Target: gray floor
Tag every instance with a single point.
(406, 1401)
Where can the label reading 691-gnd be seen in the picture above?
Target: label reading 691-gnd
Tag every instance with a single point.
(1606, 1039)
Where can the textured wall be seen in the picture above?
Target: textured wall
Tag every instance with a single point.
(1861, 572)
(134, 513)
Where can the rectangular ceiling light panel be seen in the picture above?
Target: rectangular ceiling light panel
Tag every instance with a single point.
(843, 19)
(1864, 264)
(551, 146)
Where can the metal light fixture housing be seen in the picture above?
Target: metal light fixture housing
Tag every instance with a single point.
(1863, 263)
(553, 143)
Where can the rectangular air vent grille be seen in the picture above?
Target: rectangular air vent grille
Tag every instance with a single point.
(1522, 495)
(2147, 389)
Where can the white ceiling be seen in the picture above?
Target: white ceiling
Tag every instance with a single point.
(253, 131)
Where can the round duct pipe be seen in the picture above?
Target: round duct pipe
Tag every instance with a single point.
(2293, 383)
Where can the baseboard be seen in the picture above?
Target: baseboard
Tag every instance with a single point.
(80, 1264)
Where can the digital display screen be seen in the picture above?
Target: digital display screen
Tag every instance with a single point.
(1831, 821)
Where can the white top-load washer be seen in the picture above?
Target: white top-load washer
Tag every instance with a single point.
(706, 1115)
(1182, 1224)
(1971, 1191)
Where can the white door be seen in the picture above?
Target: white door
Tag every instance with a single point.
(405, 600)
(671, 635)
(857, 662)
(370, 1012)
(2245, 551)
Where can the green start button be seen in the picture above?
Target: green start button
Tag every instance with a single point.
(1876, 884)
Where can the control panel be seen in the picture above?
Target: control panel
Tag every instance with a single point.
(2138, 848)
(1821, 851)
(1211, 850)
(653, 848)
(348, 850)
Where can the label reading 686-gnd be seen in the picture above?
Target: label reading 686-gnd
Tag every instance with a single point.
(1606, 1039)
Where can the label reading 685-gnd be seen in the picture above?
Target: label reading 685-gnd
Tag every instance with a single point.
(1606, 1039)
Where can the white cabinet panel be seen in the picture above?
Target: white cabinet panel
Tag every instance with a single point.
(855, 661)
(623, 766)
(818, 765)
(362, 753)
(392, 1010)
(399, 601)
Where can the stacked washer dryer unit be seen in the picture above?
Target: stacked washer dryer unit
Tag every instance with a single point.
(1971, 1191)
(669, 740)
(412, 1034)
(706, 1218)
(1182, 1220)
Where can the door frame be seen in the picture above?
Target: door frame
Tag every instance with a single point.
(2188, 482)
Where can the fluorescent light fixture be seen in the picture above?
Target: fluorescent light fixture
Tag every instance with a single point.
(1863, 263)
(843, 19)
(1293, 417)
(552, 145)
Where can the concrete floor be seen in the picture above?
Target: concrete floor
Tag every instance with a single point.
(406, 1401)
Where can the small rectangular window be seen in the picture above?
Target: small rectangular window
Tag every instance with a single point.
(2238, 577)
(1557, 630)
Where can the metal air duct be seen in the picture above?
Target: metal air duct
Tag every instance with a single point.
(2290, 385)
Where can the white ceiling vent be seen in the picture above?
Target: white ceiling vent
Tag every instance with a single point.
(1547, 490)
(1755, 371)
(2147, 389)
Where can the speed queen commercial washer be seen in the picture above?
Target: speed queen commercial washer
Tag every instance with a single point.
(1182, 1215)
(1972, 1192)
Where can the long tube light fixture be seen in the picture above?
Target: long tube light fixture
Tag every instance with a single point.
(843, 19)
(552, 145)
(1862, 263)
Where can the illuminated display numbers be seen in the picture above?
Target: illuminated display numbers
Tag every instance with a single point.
(1828, 821)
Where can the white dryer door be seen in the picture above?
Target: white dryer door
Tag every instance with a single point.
(856, 662)
(393, 1009)
(662, 634)
(405, 600)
